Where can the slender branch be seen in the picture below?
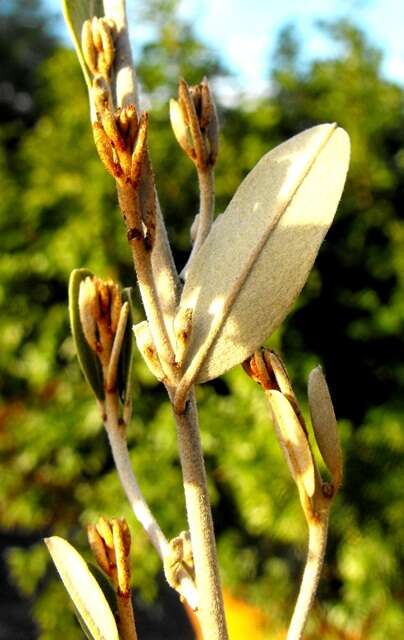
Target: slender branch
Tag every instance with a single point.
(206, 209)
(126, 618)
(165, 273)
(120, 453)
(147, 285)
(211, 609)
(311, 576)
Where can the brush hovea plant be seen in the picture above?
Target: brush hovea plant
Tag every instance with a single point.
(244, 272)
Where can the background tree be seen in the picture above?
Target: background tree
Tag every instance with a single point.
(58, 211)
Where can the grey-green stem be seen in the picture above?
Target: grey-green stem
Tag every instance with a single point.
(120, 454)
(206, 210)
(211, 609)
(311, 576)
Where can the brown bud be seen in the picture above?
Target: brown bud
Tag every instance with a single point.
(139, 150)
(121, 555)
(98, 548)
(195, 123)
(147, 349)
(104, 529)
(105, 150)
(180, 128)
(107, 46)
(87, 44)
(209, 121)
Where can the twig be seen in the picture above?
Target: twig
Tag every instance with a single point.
(206, 210)
(120, 453)
(126, 618)
(147, 285)
(311, 576)
(211, 609)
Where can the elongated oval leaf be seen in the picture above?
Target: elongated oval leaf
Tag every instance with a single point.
(126, 356)
(293, 441)
(259, 253)
(83, 589)
(325, 424)
(76, 12)
(88, 360)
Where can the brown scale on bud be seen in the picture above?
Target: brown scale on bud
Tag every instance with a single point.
(110, 542)
(98, 45)
(195, 123)
(100, 306)
(121, 140)
(99, 549)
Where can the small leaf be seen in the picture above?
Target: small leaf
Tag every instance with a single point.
(88, 360)
(293, 441)
(258, 254)
(325, 424)
(83, 589)
(126, 356)
(76, 12)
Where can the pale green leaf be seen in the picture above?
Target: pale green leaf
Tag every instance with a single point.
(259, 253)
(88, 360)
(325, 424)
(83, 589)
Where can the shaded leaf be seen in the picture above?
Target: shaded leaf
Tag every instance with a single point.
(325, 424)
(88, 360)
(259, 253)
(83, 589)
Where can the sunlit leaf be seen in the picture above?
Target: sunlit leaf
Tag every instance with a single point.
(259, 253)
(83, 589)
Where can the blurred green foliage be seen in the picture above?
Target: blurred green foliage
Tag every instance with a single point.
(58, 212)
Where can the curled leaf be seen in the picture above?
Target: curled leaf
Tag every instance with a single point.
(83, 589)
(325, 424)
(258, 255)
(293, 441)
(88, 360)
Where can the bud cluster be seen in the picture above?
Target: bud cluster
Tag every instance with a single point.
(98, 45)
(120, 137)
(100, 306)
(195, 123)
(110, 542)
